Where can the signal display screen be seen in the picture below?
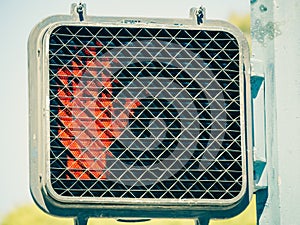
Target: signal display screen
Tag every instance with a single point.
(145, 113)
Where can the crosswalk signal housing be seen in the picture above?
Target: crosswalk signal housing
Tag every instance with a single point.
(139, 117)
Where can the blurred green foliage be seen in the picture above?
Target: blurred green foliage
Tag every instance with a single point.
(242, 21)
(31, 215)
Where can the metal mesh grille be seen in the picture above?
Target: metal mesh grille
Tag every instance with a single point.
(144, 113)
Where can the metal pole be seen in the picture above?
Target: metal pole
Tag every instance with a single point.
(81, 220)
(276, 48)
(202, 221)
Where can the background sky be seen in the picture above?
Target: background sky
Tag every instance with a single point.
(17, 18)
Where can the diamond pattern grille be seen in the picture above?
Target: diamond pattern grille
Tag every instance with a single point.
(144, 113)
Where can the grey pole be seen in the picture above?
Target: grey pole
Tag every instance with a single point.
(276, 54)
(202, 221)
(81, 220)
